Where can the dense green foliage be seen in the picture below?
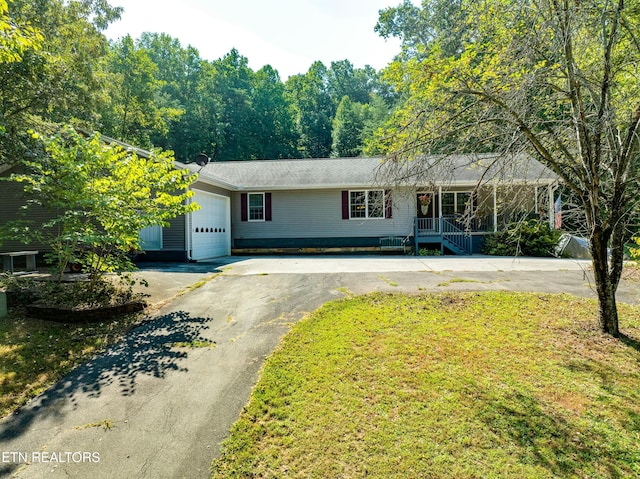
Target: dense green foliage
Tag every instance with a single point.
(58, 67)
(477, 385)
(59, 78)
(525, 238)
(15, 38)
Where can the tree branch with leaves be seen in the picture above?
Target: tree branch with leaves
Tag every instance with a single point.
(555, 79)
(100, 197)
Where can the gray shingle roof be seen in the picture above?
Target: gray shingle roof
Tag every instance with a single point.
(366, 172)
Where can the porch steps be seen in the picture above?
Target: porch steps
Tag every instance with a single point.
(454, 248)
(454, 238)
(448, 235)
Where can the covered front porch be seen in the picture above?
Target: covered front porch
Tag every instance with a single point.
(456, 219)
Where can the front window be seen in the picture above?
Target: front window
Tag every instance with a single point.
(366, 204)
(256, 206)
(455, 203)
(448, 204)
(462, 201)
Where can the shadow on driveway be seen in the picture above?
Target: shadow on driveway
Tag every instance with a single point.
(151, 349)
(217, 265)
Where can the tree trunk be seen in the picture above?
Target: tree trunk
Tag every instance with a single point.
(605, 288)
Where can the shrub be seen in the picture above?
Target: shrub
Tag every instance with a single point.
(526, 238)
(635, 252)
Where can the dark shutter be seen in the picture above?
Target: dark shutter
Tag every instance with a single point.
(345, 205)
(244, 207)
(267, 206)
(388, 204)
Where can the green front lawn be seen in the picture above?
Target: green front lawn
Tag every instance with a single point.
(478, 385)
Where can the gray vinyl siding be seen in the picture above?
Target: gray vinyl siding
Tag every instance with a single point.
(173, 236)
(12, 198)
(318, 214)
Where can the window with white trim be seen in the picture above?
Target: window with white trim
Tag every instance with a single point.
(255, 206)
(366, 204)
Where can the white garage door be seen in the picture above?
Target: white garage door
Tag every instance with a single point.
(210, 226)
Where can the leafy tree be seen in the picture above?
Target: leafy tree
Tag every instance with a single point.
(348, 125)
(135, 111)
(59, 80)
(316, 97)
(438, 22)
(274, 128)
(100, 197)
(344, 80)
(377, 114)
(313, 110)
(15, 39)
(186, 85)
(178, 71)
(233, 83)
(556, 79)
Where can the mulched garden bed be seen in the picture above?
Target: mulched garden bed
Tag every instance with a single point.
(66, 314)
(69, 302)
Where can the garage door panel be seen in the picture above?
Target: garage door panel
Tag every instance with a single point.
(210, 226)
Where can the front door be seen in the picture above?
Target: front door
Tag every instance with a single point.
(427, 205)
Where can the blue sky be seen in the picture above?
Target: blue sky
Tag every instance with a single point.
(287, 34)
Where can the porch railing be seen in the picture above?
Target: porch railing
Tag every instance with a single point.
(428, 225)
(477, 224)
(456, 236)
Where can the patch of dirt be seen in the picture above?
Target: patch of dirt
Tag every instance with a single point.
(453, 301)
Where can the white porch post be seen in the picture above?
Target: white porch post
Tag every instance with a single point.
(440, 219)
(440, 208)
(537, 206)
(552, 216)
(495, 208)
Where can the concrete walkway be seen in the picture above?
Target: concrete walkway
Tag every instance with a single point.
(167, 405)
(382, 264)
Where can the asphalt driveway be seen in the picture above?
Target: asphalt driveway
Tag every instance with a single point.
(158, 404)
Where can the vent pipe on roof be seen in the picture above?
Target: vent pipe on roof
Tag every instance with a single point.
(202, 160)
